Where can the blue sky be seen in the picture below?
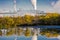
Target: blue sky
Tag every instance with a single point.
(43, 5)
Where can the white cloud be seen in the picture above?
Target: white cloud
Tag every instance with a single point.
(3, 11)
(56, 6)
(53, 3)
(34, 3)
(51, 10)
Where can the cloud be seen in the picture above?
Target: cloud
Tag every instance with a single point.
(56, 6)
(34, 3)
(3, 11)
(53, 3)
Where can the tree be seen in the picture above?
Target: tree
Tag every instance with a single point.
(28, 19)
(8, 22)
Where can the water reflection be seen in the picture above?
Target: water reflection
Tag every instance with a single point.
(20, 31)
(31, 31)
(34, 37)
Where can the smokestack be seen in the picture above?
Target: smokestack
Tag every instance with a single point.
(34, 2)
(14, 5)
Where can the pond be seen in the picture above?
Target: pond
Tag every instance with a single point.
(32, 33)
(25, 38)
(44, 26)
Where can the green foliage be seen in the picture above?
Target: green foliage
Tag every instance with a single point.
(48, 19)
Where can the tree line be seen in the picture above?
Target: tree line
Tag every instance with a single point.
(47, 19)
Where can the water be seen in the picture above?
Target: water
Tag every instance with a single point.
(46, 26)
(39, 37)
(26, 38)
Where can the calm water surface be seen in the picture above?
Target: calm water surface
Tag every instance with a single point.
(29, 38)
(26, 38)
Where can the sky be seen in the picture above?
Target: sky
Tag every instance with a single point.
(45, 5)
(42, 5)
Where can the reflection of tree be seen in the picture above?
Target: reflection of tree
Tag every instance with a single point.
(27, 32)
(50, 32)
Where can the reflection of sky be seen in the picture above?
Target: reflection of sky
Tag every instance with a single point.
(26, 38)
(26, 4)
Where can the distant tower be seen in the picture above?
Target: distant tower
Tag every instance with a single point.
(15, 6)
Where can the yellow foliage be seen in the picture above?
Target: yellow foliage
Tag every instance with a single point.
(27, 32)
